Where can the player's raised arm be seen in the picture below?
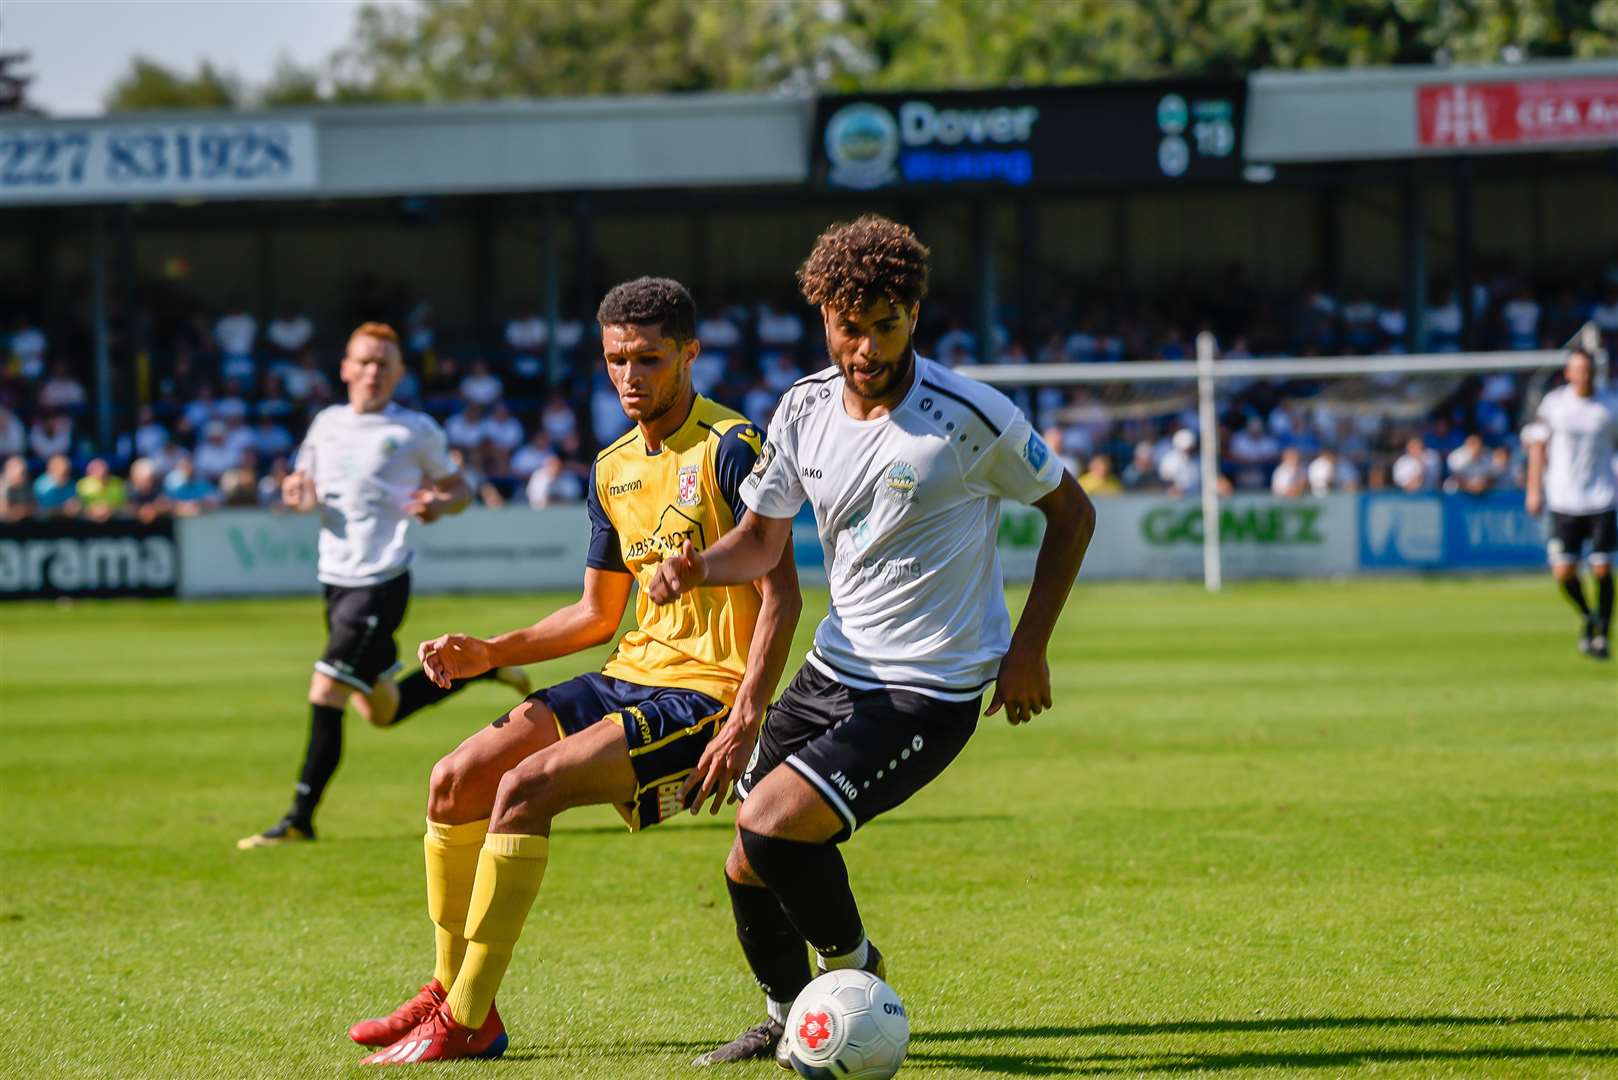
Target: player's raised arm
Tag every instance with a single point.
(748, 552)
(440, 498)
(444, 490)
(589, 621)
(724, 759)
(1023, 686)
(1534, 495)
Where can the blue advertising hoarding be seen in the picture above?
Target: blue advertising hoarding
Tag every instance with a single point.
(1491, 531)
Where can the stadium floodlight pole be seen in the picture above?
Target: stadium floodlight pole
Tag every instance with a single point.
(1589, 339)
(1208, 421)
(102, 331)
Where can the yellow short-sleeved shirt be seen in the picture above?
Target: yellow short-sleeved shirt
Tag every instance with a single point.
(643, 506)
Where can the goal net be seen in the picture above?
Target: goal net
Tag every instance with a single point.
(1287, 428)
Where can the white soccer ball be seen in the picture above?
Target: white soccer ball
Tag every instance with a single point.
(849, 1025)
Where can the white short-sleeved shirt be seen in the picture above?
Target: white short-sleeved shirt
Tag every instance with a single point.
(1581, 436)
(365, 467)
(908, 510)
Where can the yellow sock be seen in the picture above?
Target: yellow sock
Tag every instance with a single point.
(452, 865)
(510, 868)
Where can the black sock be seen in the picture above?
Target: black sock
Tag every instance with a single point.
(774, 949)
(320, 760)
(1604, 601)
(811, 883)
(1575, 592)
(417, 691)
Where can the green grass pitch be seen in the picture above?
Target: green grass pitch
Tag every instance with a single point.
(1293, 830)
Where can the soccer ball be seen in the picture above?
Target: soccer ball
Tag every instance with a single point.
(849, 1025)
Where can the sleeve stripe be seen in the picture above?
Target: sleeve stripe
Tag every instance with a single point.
(952, 394)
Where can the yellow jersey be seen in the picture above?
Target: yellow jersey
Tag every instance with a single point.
(643, 507)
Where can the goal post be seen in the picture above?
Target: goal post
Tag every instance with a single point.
(1407, 385)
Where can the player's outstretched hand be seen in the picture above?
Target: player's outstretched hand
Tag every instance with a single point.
(677, 575)
(453, 656)
(427, 505)
(298, 490)
(1534, 502)
(722, 763)
(1023, 686)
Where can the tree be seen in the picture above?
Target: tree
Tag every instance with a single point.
(475, 50)
(450, 50)
(290, 84)
(150, 85)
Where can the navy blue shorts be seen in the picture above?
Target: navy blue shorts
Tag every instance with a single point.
(666, 728)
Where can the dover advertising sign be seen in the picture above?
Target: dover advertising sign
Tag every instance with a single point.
(45, 559)
(1127, 134)
(119, 162)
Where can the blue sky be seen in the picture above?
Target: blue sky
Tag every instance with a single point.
(80, 47)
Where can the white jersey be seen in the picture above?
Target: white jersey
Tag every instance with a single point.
(908, 509)
(1581, 436)
(365, 467)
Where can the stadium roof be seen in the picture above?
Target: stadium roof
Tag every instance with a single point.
(1408, 112)
(717, 141)
(706, 140)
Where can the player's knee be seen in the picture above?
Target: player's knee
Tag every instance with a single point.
(737, 868)
(445, 787)
(752, 817)
(522, 799)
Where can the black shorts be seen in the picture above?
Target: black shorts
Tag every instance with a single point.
(1570, 533)
(360, 624)
(666, 728)
(865, 751)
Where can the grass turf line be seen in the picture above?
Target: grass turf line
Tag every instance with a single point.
(1292, 830)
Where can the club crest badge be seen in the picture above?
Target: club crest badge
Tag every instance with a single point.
(901, 479)
(765, 456)
(689, 494)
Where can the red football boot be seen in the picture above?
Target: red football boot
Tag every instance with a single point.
(387, 1030)
(440, 1038)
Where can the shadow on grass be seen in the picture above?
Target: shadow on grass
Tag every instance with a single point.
(728, 824)
(1135, 1065)
(1276, 1023)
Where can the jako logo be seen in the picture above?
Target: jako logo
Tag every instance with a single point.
(845, 785)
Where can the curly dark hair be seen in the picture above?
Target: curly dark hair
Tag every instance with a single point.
(856, 263)
(649, 301)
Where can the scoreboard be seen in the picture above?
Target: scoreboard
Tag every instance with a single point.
(1170, 131)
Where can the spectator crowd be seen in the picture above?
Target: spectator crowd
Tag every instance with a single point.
(226, 399)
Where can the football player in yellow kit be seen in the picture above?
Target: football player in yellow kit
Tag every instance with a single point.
(668, 722)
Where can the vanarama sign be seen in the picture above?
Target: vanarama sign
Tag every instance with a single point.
(44, 559)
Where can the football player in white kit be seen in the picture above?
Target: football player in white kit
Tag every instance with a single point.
(904, 463)
(369, 466)
(1570, 471)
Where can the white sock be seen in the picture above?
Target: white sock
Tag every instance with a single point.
(854, 959)
(777, 1009)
